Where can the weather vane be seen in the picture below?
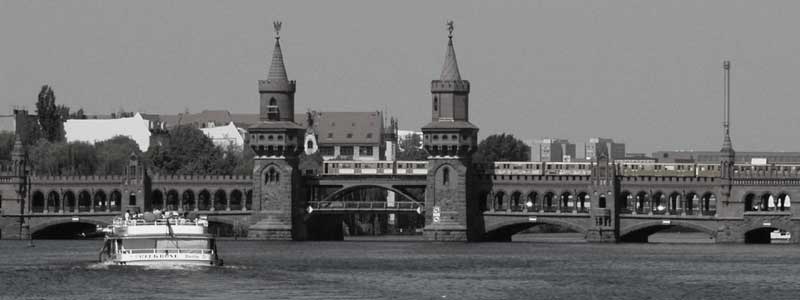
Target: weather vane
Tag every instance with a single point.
(277, 26)
(450, 28)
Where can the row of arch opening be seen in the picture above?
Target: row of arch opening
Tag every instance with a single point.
(102, 201)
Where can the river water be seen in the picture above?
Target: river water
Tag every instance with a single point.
(412, 270)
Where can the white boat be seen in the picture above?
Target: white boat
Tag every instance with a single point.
(779, 236)
(158, 240)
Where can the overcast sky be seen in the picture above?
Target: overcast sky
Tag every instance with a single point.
(648, 73)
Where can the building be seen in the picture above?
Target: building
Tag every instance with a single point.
(606, 146)
(347, 135)
(714, 157)
(225, 136)
(98, 130)
(551, 149)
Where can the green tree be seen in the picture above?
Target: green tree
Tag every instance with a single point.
(28, 129)
(78, 114)
(188, 151)
(114, 154)
(502, 147)
(6, 144)
(410, 148)
(56, 159)
(50, 115)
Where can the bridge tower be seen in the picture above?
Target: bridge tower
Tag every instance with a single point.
(450, 139)
(277, 141)
(21, 179)
(604, 226)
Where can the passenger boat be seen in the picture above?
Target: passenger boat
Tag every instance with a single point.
(779, 236)
(156, 239)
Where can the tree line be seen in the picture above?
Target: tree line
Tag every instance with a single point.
(184, 150)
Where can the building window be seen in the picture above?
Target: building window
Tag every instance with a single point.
(261, 137)
(369, 135)
(446, 176)
(132, 199)
(435, 104)
(454, 137)
(349, 135)
(326, 151)
(444, 137)
(272, 110)
(365, 151)
(272, 176)
(435, 137)
(330, 135)
(346, 150)
(269, 137)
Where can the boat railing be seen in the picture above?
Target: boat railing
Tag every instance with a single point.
(174, 221)
(159, 251)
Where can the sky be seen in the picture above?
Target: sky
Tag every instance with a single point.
(647, 73)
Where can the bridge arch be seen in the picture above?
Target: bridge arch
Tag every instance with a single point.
(516, 201)
(53, 201)
(115, 200)
(37, 202)
(347, 189)
(762, 234)
(549, 201)
(188, 200)
(500, 200)
(84, 201)
(532, 201)
(100, 200)
(172, 200)
(502, 231)
(69, 199)
(639, 232)
(625, 202)
(64, 228)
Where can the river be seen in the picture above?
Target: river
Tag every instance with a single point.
(66, 269)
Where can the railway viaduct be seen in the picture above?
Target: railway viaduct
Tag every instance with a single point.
(289, 198)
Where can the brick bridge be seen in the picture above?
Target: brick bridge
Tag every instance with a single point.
(288, 197)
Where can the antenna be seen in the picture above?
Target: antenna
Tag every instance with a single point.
(726, 65)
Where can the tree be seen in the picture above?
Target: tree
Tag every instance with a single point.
(56, 159)
(114, 154)
(78, 114)
(410, 148)
(502, 147)
(188, 151)
(6, 144)
(49, 115)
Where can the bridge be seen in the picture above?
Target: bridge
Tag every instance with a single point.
(292, 197)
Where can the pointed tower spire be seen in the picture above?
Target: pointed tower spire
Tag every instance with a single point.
(450, 68)
(277, 70)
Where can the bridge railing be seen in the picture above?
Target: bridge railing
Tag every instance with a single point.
(364, 206)
(374, 168)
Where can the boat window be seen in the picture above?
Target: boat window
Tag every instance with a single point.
(171, 244)
(138, 244)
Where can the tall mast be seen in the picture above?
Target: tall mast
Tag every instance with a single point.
(726, 123)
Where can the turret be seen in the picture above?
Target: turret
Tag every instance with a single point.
(276, 135)
(450, 134)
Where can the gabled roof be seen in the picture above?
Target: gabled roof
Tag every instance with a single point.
(357, 128)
